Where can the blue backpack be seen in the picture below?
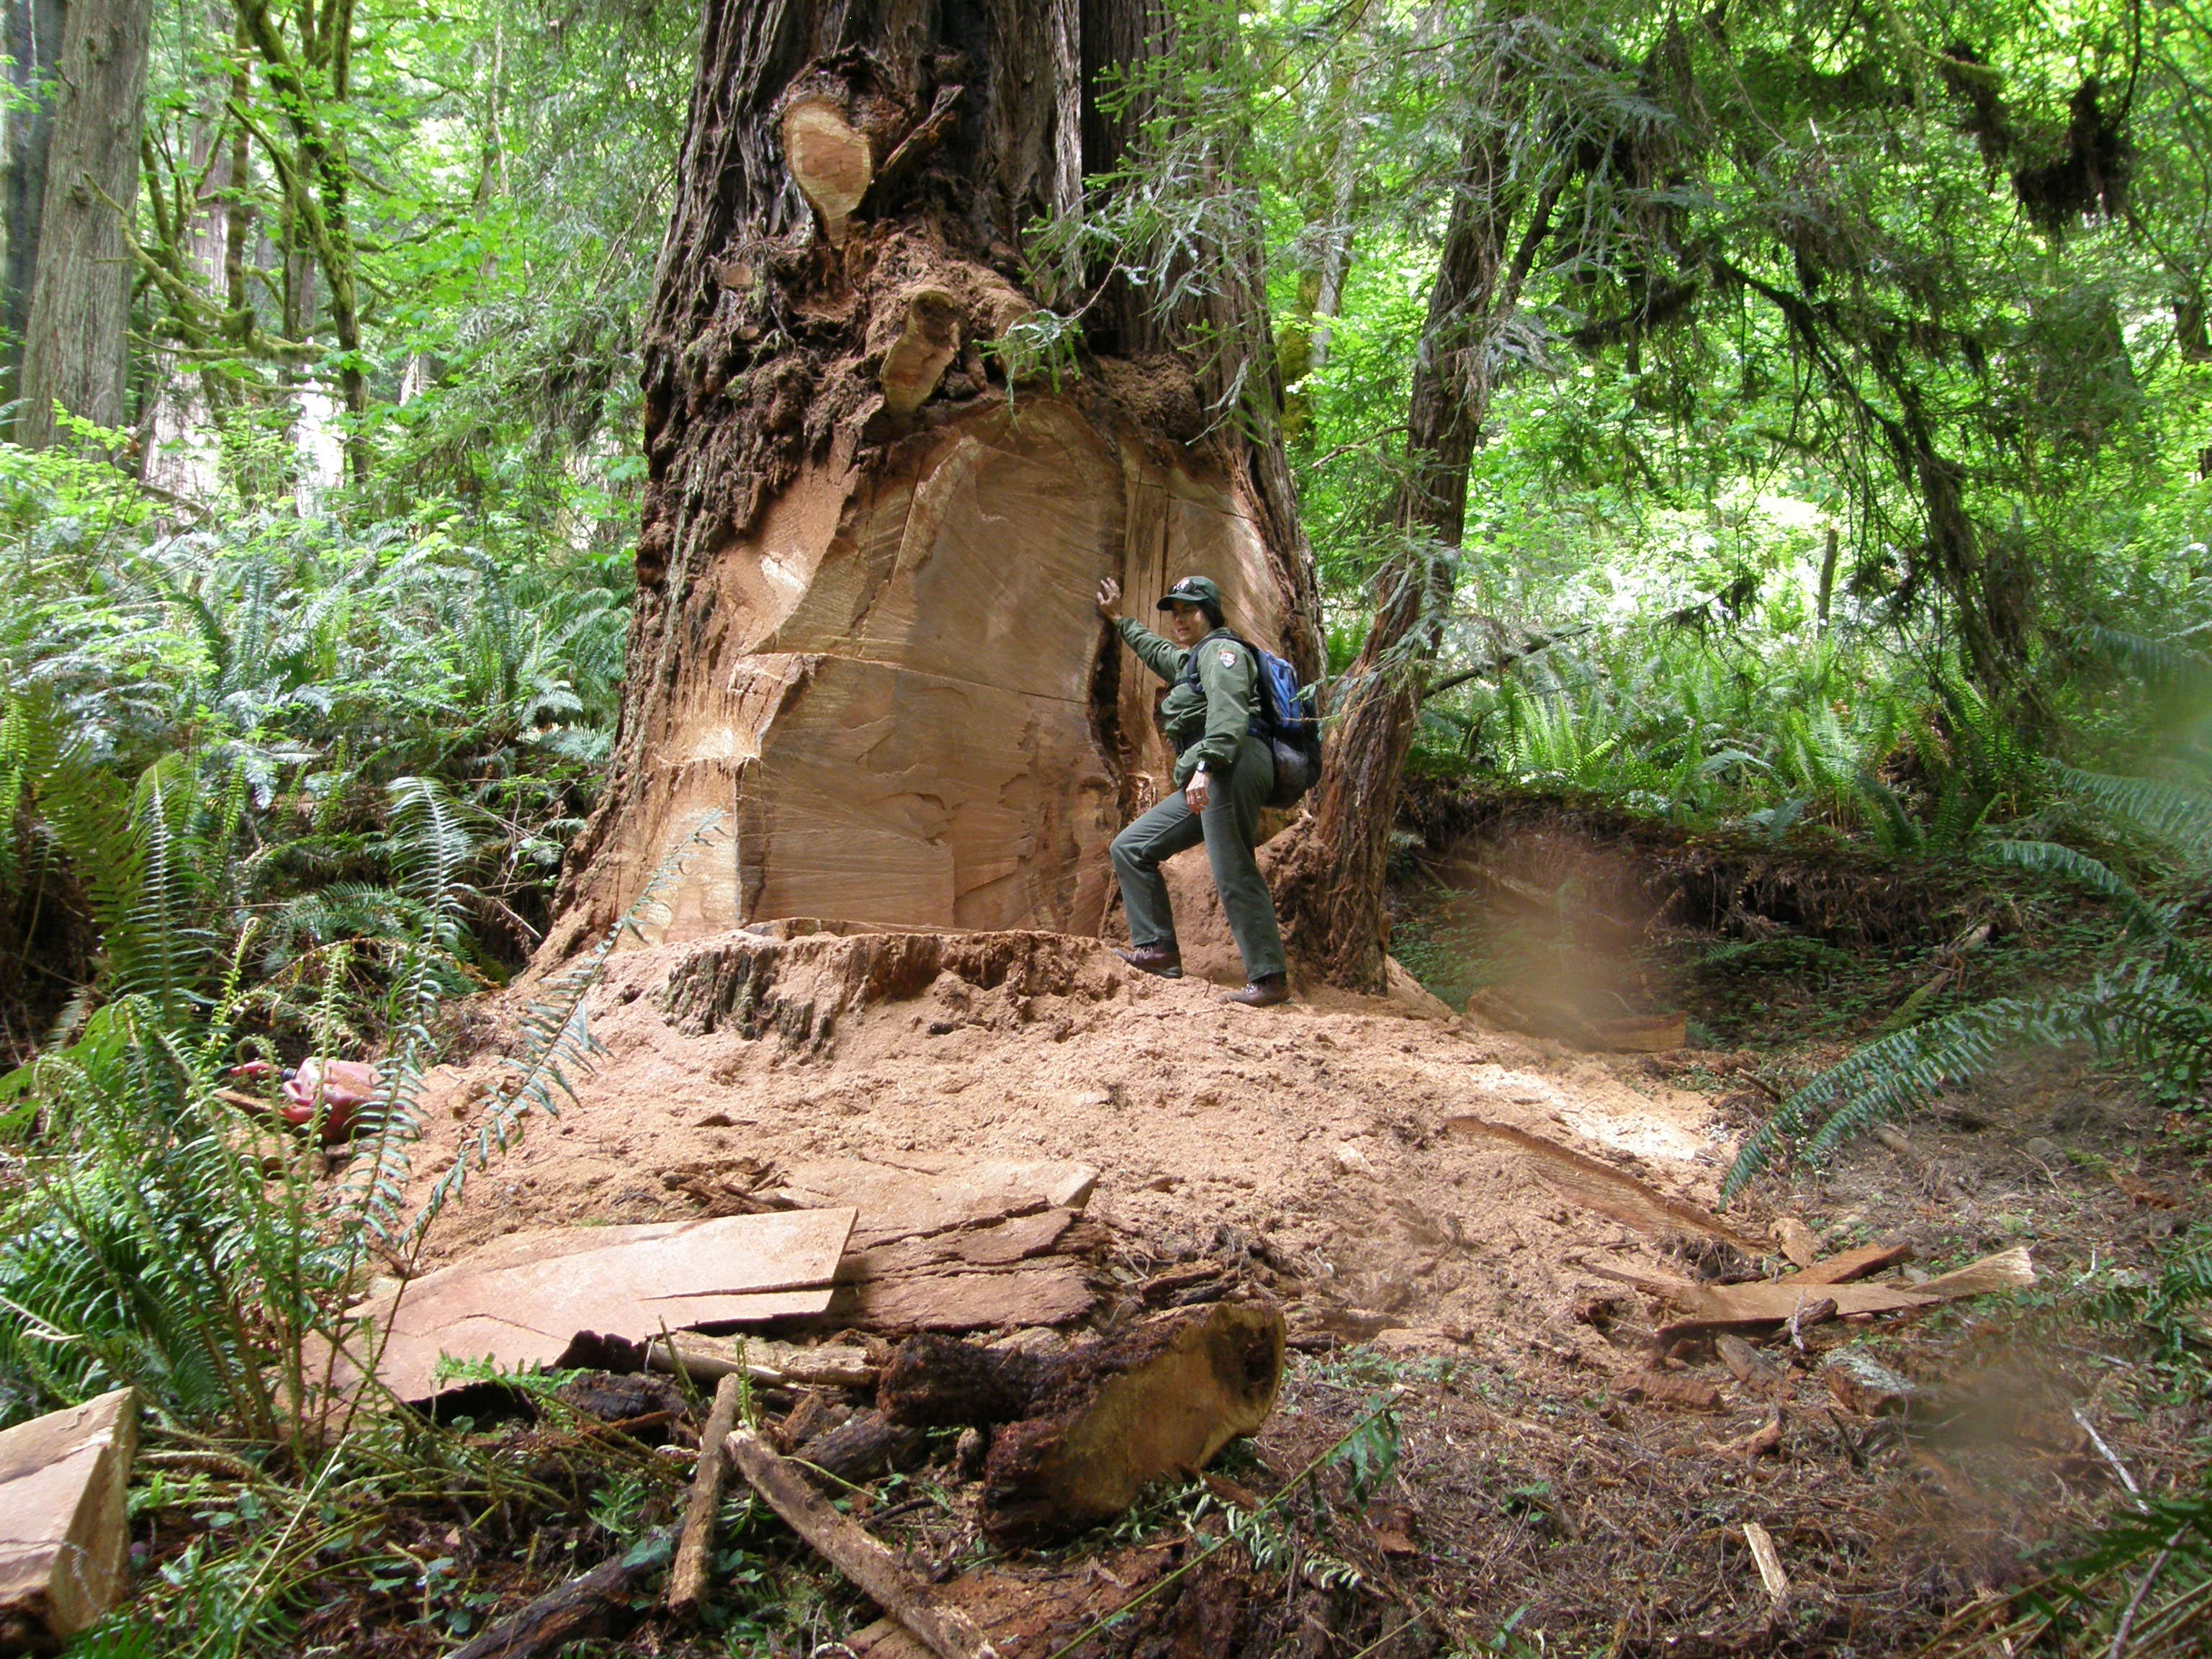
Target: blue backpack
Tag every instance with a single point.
(1287, 719)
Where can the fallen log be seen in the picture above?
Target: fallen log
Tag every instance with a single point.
(687, 1580)
(767, 1364)
(571, 1610)
(1087, 1429)
(947, 1632)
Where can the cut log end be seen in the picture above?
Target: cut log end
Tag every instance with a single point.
(1112, 1417)
(829, 158)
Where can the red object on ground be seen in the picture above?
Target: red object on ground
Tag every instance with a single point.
(338, 1087)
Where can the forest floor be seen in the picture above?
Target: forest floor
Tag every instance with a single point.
(1534, 1493)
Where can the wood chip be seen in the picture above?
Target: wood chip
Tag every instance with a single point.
(521, 1302)
(1769, 1561)
(1745, 1363)
(1665, 1388)
(1796, 1240)
(1598, 1185)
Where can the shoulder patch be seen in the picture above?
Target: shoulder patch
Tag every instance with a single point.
(1228, 657)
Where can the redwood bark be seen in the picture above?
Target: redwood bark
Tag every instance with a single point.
(811, 364)
(34, 46)
(74, 342)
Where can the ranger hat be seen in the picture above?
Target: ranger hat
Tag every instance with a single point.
(1192, 590)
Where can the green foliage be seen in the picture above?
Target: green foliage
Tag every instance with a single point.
(2151, 1008)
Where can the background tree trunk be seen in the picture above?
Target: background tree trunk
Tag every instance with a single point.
(73, 344)
(34, 50)
(863, 634)
(1331, 886)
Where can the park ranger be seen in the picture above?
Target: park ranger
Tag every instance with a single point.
(1223, 774)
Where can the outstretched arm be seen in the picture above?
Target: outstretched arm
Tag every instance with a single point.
(1163, 657)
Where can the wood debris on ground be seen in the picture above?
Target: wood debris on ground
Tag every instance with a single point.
(522, 1302)
(64, 1558)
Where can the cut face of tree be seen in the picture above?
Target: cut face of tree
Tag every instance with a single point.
(897, 695)
(864, 635)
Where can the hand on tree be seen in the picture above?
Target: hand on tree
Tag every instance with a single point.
(1198, 793)
(1110, 593)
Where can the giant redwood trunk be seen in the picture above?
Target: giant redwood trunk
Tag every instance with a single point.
(864, 636)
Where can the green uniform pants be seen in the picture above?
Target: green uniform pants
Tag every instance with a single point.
(1227, 827)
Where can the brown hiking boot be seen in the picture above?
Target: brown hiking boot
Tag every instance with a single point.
(1266, 992)
(1163, 960)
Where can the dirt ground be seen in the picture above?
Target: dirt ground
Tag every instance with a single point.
(1541, 1493)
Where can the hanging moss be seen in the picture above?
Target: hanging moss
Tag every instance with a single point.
(2089, 175)
(1969, 79)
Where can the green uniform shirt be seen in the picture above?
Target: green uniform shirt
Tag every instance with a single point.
(1207, 724)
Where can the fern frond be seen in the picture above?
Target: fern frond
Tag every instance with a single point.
(2173, 815)
(2049, 858)
(1883, 1080)
(2161, 661)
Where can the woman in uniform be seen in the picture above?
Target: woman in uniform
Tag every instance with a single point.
(1223, 776)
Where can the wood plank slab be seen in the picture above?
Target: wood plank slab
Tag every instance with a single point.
(906, 1194)
(64, 1544)
(521, 1302)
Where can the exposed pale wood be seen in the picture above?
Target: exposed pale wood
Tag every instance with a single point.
(928, 340)
(829, 158)
(65, 1545)
(1745, 1363)
(686, 1579)
(521, 1302)
(906, 1195)
(1666, 1389)
(1774, 1300)
(1861, 1263)
(1797, 1243)
(768, 1364)
(880, 1574)
(568, 1612)
(1769, 1561)
(1598, 1185)
(819, 646)
(2008, 1270)
(1051, 1292)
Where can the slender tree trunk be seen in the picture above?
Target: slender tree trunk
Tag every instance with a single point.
(73, 344)
(1331, 887)
(1336, 236)
(863, 637)
(181, 451)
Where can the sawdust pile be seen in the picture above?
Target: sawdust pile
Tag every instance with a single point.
(1315, 1131)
